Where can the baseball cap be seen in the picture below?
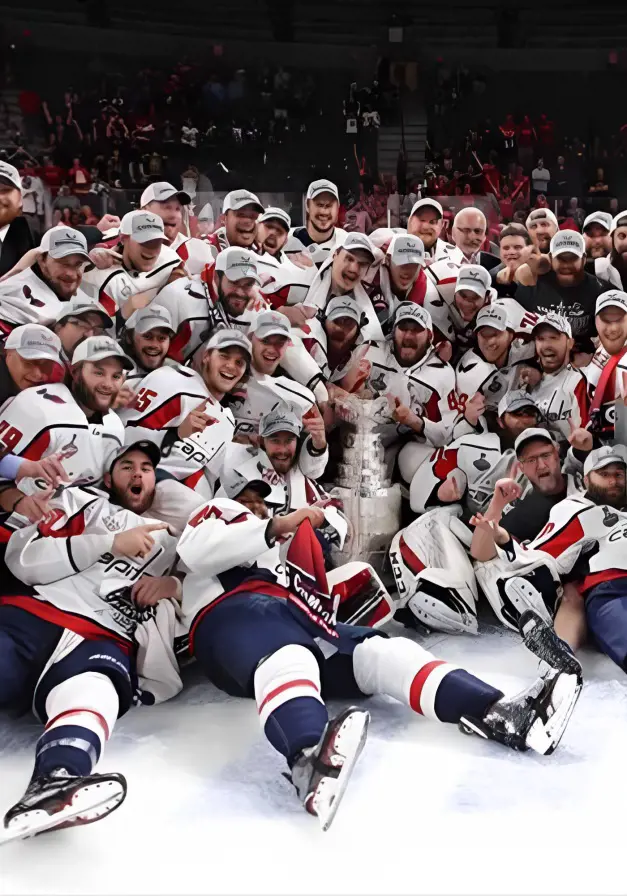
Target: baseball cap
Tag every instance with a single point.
(143, 226)
(343, 306)
(10, 176)
(35, 343)
(611, 298)
(411, 311)
(149, 318)
(602, 218)
(493, 316)
(541, 214)
(528, 435)
(237, 264)
(406, 249)
(316, 187)
(603, 457)
(161, 192)
(149, 448)
(355, 241)
(619, 221)
(568, 241)
(228, 337)
(426, 203)
(237, 199)
(473, 277)
(77, 306)
(234, 483)
(557, 321)
(270, 323)
(97, 348)
(275, 214)
(61, 241)
(279, 420)
(516, 400)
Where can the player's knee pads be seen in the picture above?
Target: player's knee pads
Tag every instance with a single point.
(90, 693)
(290, 672)
(389, 666)
(497, 580)
(364, 599)
(433, 574)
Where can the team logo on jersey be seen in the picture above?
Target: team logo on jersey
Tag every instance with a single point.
(31, 298)
(377, 384)
(610, 517)
(112, 524)
(49, 396)
(69, 449)
(481, 463)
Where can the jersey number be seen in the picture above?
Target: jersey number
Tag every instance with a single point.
(143, 399)
(9, 436)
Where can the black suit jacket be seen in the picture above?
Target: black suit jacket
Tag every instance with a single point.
(488, 261)
(17, 241)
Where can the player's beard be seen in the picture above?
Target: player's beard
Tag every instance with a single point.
(617, 499)
(137, 504)
(87, 397)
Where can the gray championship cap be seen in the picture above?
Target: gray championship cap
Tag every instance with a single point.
(229, 338)
(161, 192)
(237, 264)
(411, 311)
(34, 343)
(533, 434)
(151, 451)
(143, 226)
(238, 199)
(61, 241)
(78, 306)
(10, 176)
(474, 278)
(568, 241)
(270, 323)
(97, 348)
(603, 457)
(516, 400)
(427, 203)
(356, 241)
(152, 317)
(611, 298)
(275, 214)
(493, 316)
(406, 249)
(234, 483)
(316, 187)
(279, 420)
(343, 306)
(556, 322)
(602, 218)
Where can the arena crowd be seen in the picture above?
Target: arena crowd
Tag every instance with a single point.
(173, 428)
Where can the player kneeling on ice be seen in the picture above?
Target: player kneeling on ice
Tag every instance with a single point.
(84, 624)
(260, 629)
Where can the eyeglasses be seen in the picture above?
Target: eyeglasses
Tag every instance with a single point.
(545, 457)
(84, 325)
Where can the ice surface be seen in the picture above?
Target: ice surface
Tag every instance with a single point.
(428, 810)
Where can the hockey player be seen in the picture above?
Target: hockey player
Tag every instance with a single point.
(147, 264)
(264, 630)
(76, 422)
(604, 373)
(425, 221)
(31, 357)
(79, 318)
(613, 268)
(401, 276)
(597, 229)
(335, 341)
(461, 295)
(181, 411)
(434, 577)
(168, 203)
(557, 388)
(320, 236)
(493, 366)
(35, 295)
(146, 341)
(273, 227)
(240, 211)
(83, 583)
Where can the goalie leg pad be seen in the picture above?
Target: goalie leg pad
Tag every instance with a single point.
(364, 599)
(512, 591)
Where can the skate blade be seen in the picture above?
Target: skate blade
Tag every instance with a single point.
(544, 737)
(86, 807)
(525, 597)
(541, 640)
(331, 790)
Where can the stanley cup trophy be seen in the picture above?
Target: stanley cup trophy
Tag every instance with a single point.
(371, 503)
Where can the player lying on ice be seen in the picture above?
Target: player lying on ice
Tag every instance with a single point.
(266, 630)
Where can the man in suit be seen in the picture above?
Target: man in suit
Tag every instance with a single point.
(468, 232)
(15, 235)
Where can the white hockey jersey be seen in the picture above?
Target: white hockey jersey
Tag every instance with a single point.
(164, 399)
(320, 292)
(563, 399)
(319, 252)
(195, 254)
(26, 298)
(427, 388)
(114, 286)
(314, 339)
(474, 374)
(75, 578)
(46, 420)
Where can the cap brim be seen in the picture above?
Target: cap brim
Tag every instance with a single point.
(37, 354)
(183, 197)
(240, 205)
(322, 190)
(230, 343)
(252, 276)
(568, 251)
(408, 259)
(606, 463)
(271, 331)
(147, 238)
(69, 251)
(357, 248)
(127, 364)
(149, 449)
(471, 287)
(263, 487)
(8, 182)
(520, 406)
(610, 304)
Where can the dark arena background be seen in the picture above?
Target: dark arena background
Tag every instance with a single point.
(313, 446)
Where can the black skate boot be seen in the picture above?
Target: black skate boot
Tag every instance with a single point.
(320, 774)
(62, 800)
(537, 717)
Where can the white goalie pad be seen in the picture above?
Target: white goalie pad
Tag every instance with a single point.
(434, 575)
(513, 588)
(364, 599)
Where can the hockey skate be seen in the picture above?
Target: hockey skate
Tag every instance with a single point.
(61, 800)
(320, 774)
(537, 717)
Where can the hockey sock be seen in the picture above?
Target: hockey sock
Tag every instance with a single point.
(81, 713)
(287, 690)
(434, 688)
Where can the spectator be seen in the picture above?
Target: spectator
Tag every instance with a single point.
(512, 242)
(80, 176)
(540, 178)
(596, 231)
(33, 203)
(546, 132)
(15, 236)
(527, 139)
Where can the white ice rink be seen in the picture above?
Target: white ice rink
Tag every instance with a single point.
(428, 810)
